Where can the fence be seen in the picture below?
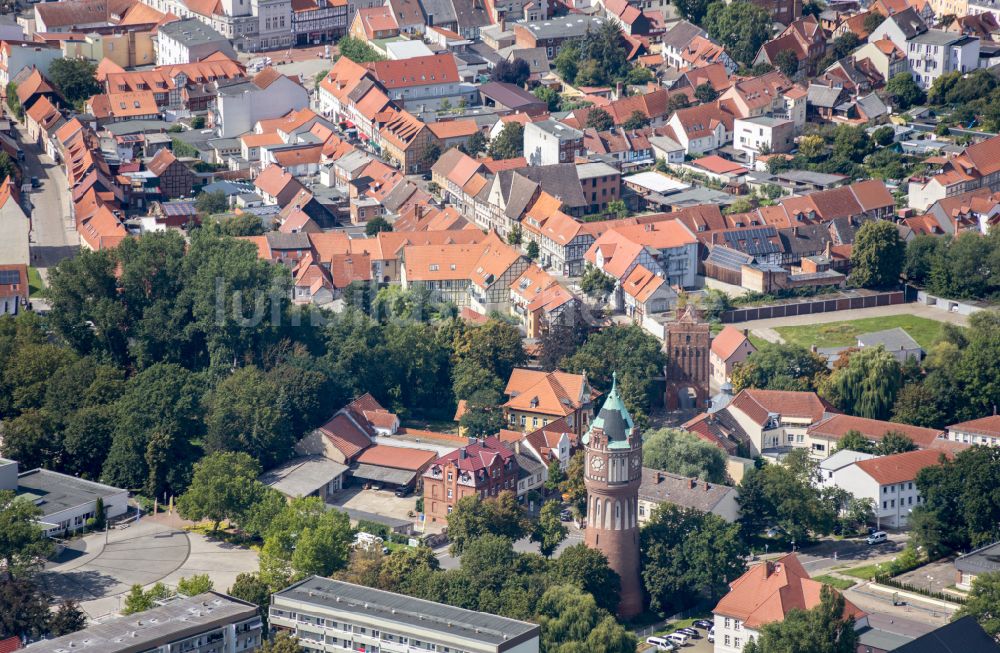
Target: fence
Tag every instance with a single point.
(812, 305)
(885, 579)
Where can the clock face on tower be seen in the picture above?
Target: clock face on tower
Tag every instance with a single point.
(597, 463)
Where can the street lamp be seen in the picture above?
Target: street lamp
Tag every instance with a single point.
(930, 580)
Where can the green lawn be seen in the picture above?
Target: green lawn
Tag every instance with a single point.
(35, 284)
(865, 572)
(845, 333)
(839, 583)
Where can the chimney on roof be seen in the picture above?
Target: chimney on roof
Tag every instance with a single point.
(768, 568)
(462, 454)
(746, 333)
(691, 483)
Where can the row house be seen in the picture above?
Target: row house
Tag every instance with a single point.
(445, 270)
(701, 129)
(551, 34)
(452, 172)
(15, 56)
(804, 38)
(770, 95)
(562, 241)
(386, 250)
(652, 106)
(269, 94)
(667, 247)
(319, 21)
(423, 83)
(117, 107)
(189, 86)
(882, 56)
(977, 167)
(405, 140)
(645, 293)
(173, 177)
(497, 268)
(630, 148)
(538, 301)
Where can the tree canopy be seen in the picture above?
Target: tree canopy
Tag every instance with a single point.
(75, 79)
(742, 27)
(680, 452)
(877, 256)
(780, 367)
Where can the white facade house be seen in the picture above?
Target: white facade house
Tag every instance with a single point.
(762, 135)
(17, 55)
(15, 229)
(549, 142)
(189, 41)
(827, 469)
(889, 481)
(936, 52)
(241, 106)
(70, 501)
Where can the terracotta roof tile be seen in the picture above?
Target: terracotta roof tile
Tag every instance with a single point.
(900, 467)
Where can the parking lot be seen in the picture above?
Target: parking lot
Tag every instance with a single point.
(375, 502)
(700, 645)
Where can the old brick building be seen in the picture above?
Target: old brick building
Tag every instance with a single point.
(687, 344)
(484, 469)
(612, 475)
(175, 178)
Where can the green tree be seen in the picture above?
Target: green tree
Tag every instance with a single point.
(867, 385)
(855, 441)
(984, 603)
(377, 225)
(784, 495)
(75, 79)
(250, 588)
(812, 146)
(787, 62)
(24, 609)
(549, 96)
(23, 545)
(687, 556)
(877, 256)
(473, 518)
(693, 10)
(194, 585)
(514, 72)
(248, 413)
(67, 619)
(921, 255)
(705, 93)
(884, 135)
(894, 442)
(637, 120)
(430, 156)
(596, 283)
(531, 251)
(634, 354)
(573, 489)
(494, 346)
(223, 487)
(961, 502)
(554, 476)
(680, 452)
(823, 629)
(509, 143)
(139, 600)
(358, 50)
(918, 404)
(475, 145)
(305, 538)
(282, 643)
(741, 27)
(571, 621)
(549, 530)
(780, 367)
(211, 203)
(903, 93)
(588, 569)
(618, 208)
(13, 103)
(599, 119)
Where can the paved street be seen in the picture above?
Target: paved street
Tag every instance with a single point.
(818, 559)
(53, 235)
(154, 549)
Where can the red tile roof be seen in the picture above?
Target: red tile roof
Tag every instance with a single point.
(759, 404)
(900, 467)
(768, 591)
(416, 71)
(478, 456)
(837, 426)
(727, 342)
(983, 426)
(385, 455)
(345, 435)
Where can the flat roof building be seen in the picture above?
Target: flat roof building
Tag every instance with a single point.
(330, 615)
(206, 623)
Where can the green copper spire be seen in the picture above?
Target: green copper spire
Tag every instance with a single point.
(613, 418)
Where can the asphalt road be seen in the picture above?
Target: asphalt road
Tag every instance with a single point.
(53, 234)
(819, 558)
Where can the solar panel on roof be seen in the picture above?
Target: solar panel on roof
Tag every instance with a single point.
(9, 277)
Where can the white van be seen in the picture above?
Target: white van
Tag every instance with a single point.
(679, 638)
(661, 644)
(877, 537)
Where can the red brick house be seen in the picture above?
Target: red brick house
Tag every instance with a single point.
(484, 469)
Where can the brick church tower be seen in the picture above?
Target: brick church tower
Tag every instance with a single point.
(687, 345)
(612, 475)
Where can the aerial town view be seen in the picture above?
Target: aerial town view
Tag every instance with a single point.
(500, 326)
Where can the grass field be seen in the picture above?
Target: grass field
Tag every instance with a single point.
(35, 285)
(843, 334)
(839, 583)
(865, 572)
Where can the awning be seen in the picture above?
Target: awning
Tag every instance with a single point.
(378, 474)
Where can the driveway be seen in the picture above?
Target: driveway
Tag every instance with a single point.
(99, 574)
(819, 558)
(53, 234)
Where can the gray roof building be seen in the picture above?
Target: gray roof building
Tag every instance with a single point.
(397, 618)
(681, 34)
(981, 561)
(663, 487)
(301, 477)
(565, 27)
(222, 618)
(896, 339)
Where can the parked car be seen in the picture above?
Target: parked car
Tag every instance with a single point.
(566, 515)
(878, 537)
(711, 635)
(680, 639)
(704, 624)
(35, 183)
(661, 644)
(690, 632)
(404, 491)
